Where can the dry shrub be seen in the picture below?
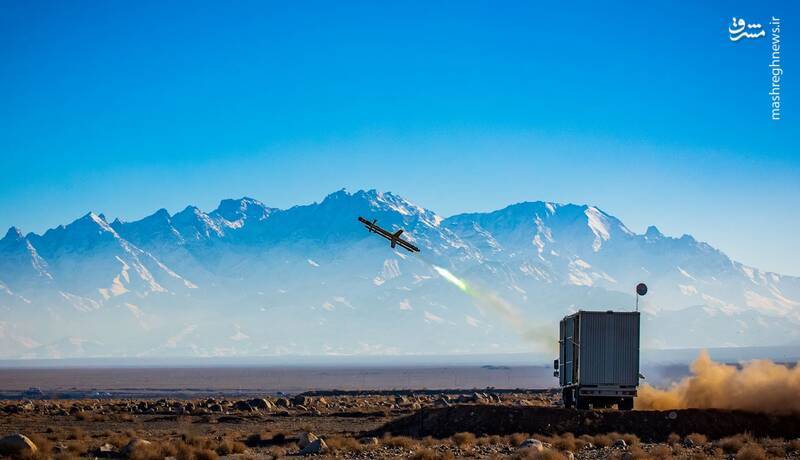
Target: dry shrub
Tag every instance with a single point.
(533, 454)
(398, 441)
(429, 441)
(517, 438)
(673, 438)
(463, 440)
(794, 444)
(660, 452)
(602, 440)
(65, 456)
(637, 453)
(75, 433)
(567, 441)
(777, 450)
(205, 454)
(425, 454)
(697, 438)
(342, 443)
(152, 451)
(78, 447)
(733, 444)
(45, 447)
(630, 439)
(227, 447)
(489, 440)
(751, 451)
(276, 452)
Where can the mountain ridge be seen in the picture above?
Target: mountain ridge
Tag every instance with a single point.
(314, 268)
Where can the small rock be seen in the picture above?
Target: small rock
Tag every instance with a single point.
(318, 446)
(620, 444)
(306, 438)
(17, 445)
(569, 455)
(531, 443)
(688, 443)
(369, 441)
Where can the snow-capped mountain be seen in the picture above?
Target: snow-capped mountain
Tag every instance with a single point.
(248, 279)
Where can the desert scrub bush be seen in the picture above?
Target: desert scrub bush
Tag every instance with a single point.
(344, 444)
(463, 440)
(733, 444)
(533, 454)
(661, 452)
(205, 454)
(77, 446)
(492, 440)
(567, 441)
(630, 439)
(751, 451)
(44, 446)
(697, 438)
(397, 441)
(673, 438)
(227, 447)
(75, 433)
(425, 454)
(601, 440)
(517, 438)
(637, 453)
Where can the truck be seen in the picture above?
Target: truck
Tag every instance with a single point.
(598, 359)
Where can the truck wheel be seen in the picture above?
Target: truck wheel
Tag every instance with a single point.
(566, 398)
(625, 404)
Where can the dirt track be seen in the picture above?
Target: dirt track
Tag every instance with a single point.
(652, 426)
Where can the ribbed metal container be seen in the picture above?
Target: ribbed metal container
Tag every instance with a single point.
(607, 347)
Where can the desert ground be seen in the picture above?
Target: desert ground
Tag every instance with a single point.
(249, 413)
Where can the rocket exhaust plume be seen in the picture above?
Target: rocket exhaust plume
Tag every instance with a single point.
(759, 386)
(539, 335)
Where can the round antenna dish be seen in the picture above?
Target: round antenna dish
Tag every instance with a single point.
(641, 289)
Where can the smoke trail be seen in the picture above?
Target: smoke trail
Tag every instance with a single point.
(539, 335)
(759, 386)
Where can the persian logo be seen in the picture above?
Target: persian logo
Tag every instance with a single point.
(741, 29)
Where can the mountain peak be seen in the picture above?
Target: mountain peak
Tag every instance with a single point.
(234, 210)
(653, 233)
(13, 234)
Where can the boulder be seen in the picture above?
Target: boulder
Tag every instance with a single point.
(318, 446)
(301, 400)
(243, 406)
(261, 403)
(17, 445)
(305, 439)
(283, 402)
(533, 444)
(369, 441)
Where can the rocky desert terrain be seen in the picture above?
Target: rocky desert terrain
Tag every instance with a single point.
(355, 425)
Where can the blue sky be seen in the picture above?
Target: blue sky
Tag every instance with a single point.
(647, 111)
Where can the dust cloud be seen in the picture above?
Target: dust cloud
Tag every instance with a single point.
(759, 386)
